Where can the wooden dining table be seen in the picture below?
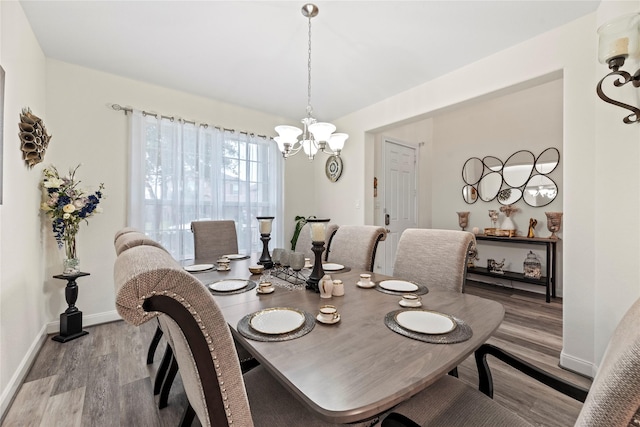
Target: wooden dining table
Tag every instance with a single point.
(357, 368)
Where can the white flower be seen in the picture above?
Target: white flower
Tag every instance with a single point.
(69, 208)
(53, 183)
(79, 203)
(66, 216)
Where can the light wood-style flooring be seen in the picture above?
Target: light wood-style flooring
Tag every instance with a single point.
(102, 379)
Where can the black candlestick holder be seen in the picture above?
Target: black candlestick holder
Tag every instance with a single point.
(318, 271)
(265, 258)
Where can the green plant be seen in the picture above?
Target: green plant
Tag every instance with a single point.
(300, 222)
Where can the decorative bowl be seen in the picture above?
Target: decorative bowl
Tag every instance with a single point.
(256, 269)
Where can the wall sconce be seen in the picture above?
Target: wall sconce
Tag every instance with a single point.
(619, 40)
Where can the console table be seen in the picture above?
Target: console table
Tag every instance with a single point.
(71, 319)
(549, 280)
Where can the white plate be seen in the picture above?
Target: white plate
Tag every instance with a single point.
(228, 285)
(398, 286)
(370, 285)
(198, 267)
(330, 322)
(332, 267)
(274, 321)
(234, 256)
(425, 322)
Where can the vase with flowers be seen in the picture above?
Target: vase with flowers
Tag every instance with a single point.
(68, 205)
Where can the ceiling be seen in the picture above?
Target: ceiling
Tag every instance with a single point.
(254, 53)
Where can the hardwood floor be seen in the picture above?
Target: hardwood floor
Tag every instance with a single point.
(102, 379)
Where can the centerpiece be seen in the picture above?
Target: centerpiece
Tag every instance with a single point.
(67, 205)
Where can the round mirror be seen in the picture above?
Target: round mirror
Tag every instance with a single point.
(492, 163)
(469, 194)
(508, 196)
(540, 191)
(517, 169)
(472, 171)
(489, 186)
(548, 160)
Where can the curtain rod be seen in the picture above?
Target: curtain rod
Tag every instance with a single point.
(128, 110)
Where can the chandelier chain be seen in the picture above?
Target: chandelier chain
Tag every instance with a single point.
(309, 108)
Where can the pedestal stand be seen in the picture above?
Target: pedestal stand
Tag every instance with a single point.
(265, 258)
(318, 271)
(71, 319)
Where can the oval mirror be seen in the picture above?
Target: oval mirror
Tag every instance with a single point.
(472, 171)
(517, 169)
(492, 163)
(489, 186)
(508, 196)
(469, 194)
(548, 160)
(540, 191)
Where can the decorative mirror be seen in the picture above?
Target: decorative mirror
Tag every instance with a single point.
(489, 186)
(469, 194)
(508, 196)
(547, 161)
(518, 168)
(493, 163)
(540, 191)
(472, 171)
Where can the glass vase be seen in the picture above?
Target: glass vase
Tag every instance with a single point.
(71, 262)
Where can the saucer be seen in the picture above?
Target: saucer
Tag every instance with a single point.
(268, 291)
(370, 285)
(331, 322)
(410, 304)
(224, 269)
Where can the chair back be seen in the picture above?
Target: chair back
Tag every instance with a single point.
(212, 239)
(433, 257)
(131, 239)
(304, 244)
(148, 282)
(614, 396)
(124, 230)
(355, 246)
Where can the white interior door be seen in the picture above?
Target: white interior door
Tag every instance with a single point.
(399, 196)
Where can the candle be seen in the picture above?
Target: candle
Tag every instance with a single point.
(620, 47)
(317, 231)
(265, 226)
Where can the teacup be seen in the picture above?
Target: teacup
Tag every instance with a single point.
(328, 313)
(308, 263)
(223, 263)
(411, 300)
(365, 279)
(265, 287)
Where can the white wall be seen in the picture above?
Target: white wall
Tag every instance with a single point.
(599, 153)
(22, 291)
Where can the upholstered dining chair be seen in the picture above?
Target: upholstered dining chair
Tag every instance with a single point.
(124, 230)
(304, 241)
(132, 239)
(433, 257)
(149, 282)
(355, 246)
(212, 239)
(612, 401)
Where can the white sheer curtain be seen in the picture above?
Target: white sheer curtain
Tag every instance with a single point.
(181, 172)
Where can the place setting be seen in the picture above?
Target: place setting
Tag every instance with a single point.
(231, 286)
(427, 325)
(236, 257)
(400, 287)
(276, 324)
(199, 268)
(332, 267)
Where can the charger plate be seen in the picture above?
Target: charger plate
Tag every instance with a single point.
(247, 331)
(249, 284)
(460, 333)
(422, 289)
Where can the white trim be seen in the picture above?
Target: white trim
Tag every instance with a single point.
(20, 374)
(579, 366)
(88, 320)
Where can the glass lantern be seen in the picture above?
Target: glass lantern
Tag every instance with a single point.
(532, 266)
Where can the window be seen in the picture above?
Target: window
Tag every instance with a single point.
(181, 172)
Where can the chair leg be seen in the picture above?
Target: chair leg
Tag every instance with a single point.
(188, 416)
(162, 370)
(154, 345)
(166, 385)
(454, 372)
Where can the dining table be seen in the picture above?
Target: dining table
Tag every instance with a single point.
(358, 367)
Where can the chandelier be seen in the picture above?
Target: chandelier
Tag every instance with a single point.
(314, 136)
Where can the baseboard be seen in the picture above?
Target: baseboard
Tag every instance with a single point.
(578, 366)
(19, 375)
(87, 320)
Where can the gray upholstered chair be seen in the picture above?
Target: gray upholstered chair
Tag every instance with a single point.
(355, 246)
(124, 230)
(150, 282)
(433, 257)
(132, 239)
(612, 401)
(212, 239)
(304, 241)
